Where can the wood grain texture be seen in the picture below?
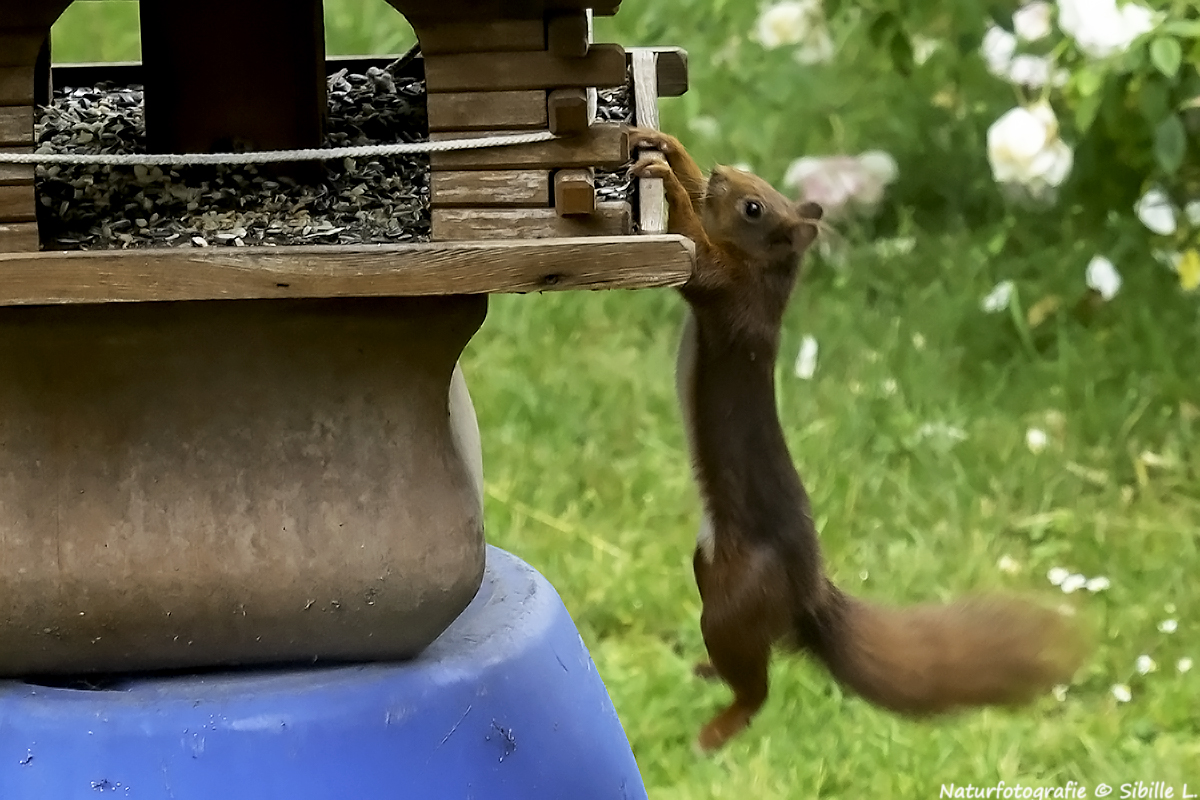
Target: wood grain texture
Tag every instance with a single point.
(574, 191)
(455, 224)
(19, 47)
(490, 36)
(652, 208)
(604, 65)
(17, 203)
(567, 34)
(15, 173)
(605, 146)
(528, 188)
(672, 69)
(18, 237)
(16, 86)
(568, 111)
(16, 125)
(487, 111)
(101, 276)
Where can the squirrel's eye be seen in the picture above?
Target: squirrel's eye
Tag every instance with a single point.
(752, 209)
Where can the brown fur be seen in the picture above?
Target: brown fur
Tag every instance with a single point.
(758, 563)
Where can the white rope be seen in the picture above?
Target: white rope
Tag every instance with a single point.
(271, 156)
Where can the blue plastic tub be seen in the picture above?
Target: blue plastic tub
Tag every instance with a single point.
(505, 705)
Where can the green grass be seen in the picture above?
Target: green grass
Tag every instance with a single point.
(587, 476)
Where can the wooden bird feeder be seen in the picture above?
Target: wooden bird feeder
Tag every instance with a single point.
(267, 454)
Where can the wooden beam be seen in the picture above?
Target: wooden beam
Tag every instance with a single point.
(490, 111)
(477, 188)
(17, 203)
(652, 201)
(492, 36)
(15, 173)
(103, 276)
(574, 191)
(604, 65)
(672, 69)
(452, 224)
(16, 86)
(568, 111)
(18, 237)
(16, 125)
(605, 146)
(20, 47)
(567, 34)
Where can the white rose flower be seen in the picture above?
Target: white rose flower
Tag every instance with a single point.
(1032, 21)
(817, 49)
(1101, 28)
(1036, 440)
(998, 48)
(1192, 212)
(998, 298)
(1103, 277)
(796, 22)
(1155, 211)
(806, 359)
(1035, 72)
(1024, 149)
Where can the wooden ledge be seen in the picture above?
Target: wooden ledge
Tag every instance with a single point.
(110, 276)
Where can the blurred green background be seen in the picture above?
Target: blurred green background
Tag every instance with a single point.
(911, 436)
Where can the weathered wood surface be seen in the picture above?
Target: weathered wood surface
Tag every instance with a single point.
(480, 188)
(19, 47)
(568, 111)
(671, 69)
(604, 65)
(18, 237)
(15, 173)
(652, 212)
(16, 125)
(624, 262)
(574, 191)
(487, 111)
(567, 34)
(454, 224)
(605, 146)
(16, 86)
(17, 203)
(485, 36)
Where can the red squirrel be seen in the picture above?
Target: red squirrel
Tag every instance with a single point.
(757, 562)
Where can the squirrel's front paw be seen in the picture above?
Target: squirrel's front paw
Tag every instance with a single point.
(650, 166)
(651, 139)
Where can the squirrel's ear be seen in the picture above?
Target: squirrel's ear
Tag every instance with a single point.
(806, 229)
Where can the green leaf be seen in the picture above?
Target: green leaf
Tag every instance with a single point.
(1187, 28)
(1154, 98)
(1170, 144)
(1166, 55)
(1086, 110)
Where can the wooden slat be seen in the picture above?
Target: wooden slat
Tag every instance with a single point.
(19, 48)
(18, 237)
(470, 111)
(652, 208)
(494, 36)
(604, 65)
(603, 8)
(672, 69)
(450, 224)
(574, 191)
(213, 273)
(15, 173)
(16, 125)
(17, 203)
(16, 86)
(567, 34)
(475, 188)
(605, 146)
(568, 111)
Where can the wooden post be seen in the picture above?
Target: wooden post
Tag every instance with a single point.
(22, 53)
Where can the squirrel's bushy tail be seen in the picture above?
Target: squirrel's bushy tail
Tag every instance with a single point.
(930, 659)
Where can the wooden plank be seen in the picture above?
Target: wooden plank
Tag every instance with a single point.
(15, 173)
(602, 8)
(672, 69)
(568, 111)
(214, 273)
(451, 224)
(475, 188)
(16, 86)
(652, 200)
(604, 65)
(16, 125)
(493, 36)
(574, 191)
(18, 237)
(605, 146)
(20, 47)
(567, 34)
(470, 111)
(17, 203)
